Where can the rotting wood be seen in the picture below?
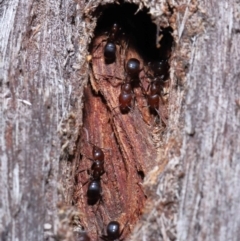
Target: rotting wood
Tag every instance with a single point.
(132, 152)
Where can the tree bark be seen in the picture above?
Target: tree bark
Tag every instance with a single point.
(198, 192)
(44, 45)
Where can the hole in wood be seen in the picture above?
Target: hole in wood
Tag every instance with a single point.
(125, 115)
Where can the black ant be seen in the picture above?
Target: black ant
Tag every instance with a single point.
(113, 232)
(132, 69)
(110, 48)
(94, 191)
(97, 170)
(160, 69)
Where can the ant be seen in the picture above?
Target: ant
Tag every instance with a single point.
(132, 70)
(153, 97)
(110, 48)
(113, 231)
(160, 73)
(94, 191)
(97, 170)
(160, 69)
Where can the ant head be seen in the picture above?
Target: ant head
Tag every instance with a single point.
(113, 230)
(97, 153)
(133, 67)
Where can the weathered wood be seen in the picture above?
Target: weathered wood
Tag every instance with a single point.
(40, 87)
(198, 192)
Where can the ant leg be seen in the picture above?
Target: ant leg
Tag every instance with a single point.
(123, 230)
(105, 181)
(83, 170)
(116, 107)
(161, 117)
(85, 183)
(104, 237)
(98, 203)
(88, 157)
(96, 47)
(107, 77)
(108, 149)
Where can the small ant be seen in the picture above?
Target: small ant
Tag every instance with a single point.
(160, 69)
(110, 47)
(97, 170)
(153, 97)
(160, 73)
(132, 69)
(113, 231)
(109, 50)
(125, 97)
(94, 191)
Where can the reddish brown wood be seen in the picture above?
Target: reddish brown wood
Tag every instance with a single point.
(132, 151)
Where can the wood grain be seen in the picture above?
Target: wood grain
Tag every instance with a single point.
(132, 151)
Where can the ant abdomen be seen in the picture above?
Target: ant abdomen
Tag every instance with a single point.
(94, 192)
(153, 101)
(125, 97)
(113, 230)
(125, 100)
(110, 51)
(133, 67)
